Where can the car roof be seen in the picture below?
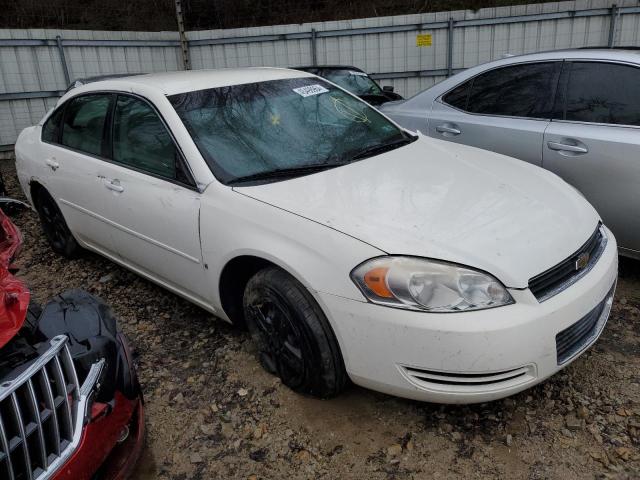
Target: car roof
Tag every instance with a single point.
(592, 53)
(311, 68)
(78, 82)
(171, 83)
(624, 55)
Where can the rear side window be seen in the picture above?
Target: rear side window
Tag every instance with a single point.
(459, 95)
(603, 93)
(84, 121)
(525, 90)
(140, 139)
(51, 128)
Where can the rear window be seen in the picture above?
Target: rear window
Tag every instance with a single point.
(354, 81)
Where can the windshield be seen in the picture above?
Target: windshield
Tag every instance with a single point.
(246, 130)
(358, 83)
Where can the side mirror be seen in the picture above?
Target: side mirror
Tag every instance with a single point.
(388, 88)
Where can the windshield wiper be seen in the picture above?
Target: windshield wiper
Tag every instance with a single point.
(372, 150)
(289, 172)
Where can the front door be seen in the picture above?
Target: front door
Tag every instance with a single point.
(594, 144)
(154, 209)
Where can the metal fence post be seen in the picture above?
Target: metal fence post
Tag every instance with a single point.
(613, 24)
(314, 54)
(184, 44)
(450, 48)
(63, 60)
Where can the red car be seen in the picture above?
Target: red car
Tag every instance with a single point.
(70, 402)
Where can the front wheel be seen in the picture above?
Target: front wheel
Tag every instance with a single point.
(294, 338)
(54, 225)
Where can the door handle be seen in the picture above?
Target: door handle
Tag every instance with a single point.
(113, 185)
(448, 130)
(563, 147)
(51, 163)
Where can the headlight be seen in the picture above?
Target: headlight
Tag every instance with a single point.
(431, 285)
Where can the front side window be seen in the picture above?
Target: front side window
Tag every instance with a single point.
(525, 90)
(603, 93)
(140, 139)
(84, 122)
(251, 129)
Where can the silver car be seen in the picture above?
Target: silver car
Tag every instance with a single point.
(574, 112)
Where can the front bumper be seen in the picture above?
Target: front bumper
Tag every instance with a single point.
(467, 357)
(101, 449)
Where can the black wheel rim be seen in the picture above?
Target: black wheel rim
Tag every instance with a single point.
(279, 340)
(53, 224)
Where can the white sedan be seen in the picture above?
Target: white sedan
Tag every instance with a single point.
(349, 247)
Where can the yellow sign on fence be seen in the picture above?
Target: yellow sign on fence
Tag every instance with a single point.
(423, 40)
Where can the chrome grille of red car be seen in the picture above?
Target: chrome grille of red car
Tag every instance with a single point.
(569, 271)
(39, 410)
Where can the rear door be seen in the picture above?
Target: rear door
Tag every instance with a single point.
(74, 148)
(154, 205)
(594, 142)
(505, 110)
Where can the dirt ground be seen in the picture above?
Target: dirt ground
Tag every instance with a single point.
(212, 412)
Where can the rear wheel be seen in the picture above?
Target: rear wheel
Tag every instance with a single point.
(294, 338)
(54, 225)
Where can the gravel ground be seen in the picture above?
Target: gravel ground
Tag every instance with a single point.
(212, 412)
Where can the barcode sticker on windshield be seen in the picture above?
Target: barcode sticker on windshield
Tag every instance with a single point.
(310, 90)
(357, 74)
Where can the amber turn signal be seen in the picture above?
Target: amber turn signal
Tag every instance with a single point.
(376, 281)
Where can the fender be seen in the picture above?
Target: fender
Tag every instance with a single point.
(232, 224)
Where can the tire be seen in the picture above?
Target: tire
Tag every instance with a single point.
(55, 226)
(294, 338)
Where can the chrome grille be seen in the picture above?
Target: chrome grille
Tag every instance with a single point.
(39, 413)
(567, 272)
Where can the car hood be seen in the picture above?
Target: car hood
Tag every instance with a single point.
(392, 105)
(446, 201)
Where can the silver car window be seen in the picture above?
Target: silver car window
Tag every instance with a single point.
(522, 90)
(603, 93)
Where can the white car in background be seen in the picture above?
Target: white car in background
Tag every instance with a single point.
(350, 247)
(573, 112)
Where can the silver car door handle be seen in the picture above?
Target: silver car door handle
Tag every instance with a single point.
(51, 163)
(113, 185)
(446, 129)
(563, 147)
